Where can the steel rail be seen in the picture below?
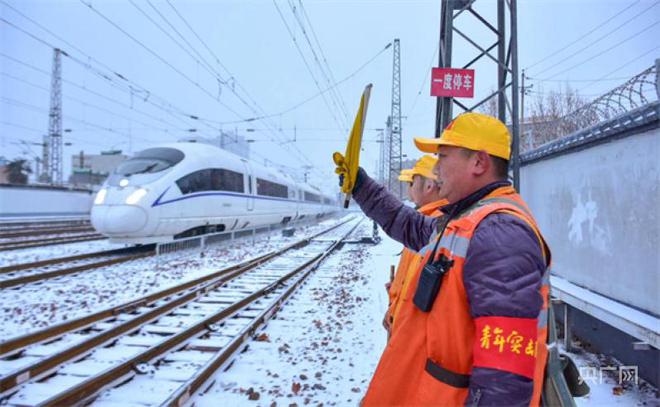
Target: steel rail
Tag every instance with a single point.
(201, 378)
(30, 278)
(45, 231)
(5, 246)
(85, 390)
(200, 286)
(68, 259)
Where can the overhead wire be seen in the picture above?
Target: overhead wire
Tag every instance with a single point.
(579, 51)
(582, 36)
(309, 69)
(590, 58)
(321, 66)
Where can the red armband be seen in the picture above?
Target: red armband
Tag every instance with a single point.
(507, 344)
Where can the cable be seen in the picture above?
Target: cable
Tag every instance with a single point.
(325, 60)
(580, 37)
(424, 80)
(598, 39)
(132, 87)
(604, 51)
(622, 66)
(160, 58)
(336, 98)
(309, 69)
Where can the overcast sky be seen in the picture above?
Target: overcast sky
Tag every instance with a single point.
(564, 42)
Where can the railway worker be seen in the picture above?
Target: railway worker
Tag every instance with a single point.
(474, 331)
(424, 192)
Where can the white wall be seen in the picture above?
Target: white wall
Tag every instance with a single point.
(26, 201)
(599, 209)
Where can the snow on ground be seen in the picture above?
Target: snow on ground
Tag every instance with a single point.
(323, 346)
(13, 257)
(607, 386)
(34, 306)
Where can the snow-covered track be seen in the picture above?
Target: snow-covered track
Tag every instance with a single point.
(19, 274)
(68, 238)
(35, 232)
(202, 315)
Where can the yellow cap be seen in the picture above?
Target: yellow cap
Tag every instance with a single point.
(406, 176)
(424, 166)
(474, 131)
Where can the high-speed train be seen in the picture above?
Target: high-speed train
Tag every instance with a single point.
(185, 189)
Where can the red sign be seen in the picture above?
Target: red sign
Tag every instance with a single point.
(450, 82)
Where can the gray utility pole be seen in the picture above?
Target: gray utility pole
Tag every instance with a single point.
(395, 124)
(505, 62)
(524, 91)
(55, 164)
(381, 161)
(45, 160)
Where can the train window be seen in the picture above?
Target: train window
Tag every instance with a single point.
(226, 180)
(211, 179)
(310, 197)
(150, 160)
(250, 184)
(270, 188)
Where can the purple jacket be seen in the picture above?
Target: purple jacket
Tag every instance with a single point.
(502, 272)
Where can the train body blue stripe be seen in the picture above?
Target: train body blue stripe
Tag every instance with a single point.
(158, 201)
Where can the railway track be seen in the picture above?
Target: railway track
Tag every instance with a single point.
(31, 232)
(184, 333)
(19, 274)
(41, 224)
(49, 241)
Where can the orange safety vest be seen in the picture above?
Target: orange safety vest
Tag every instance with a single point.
(407, 266)
(430, 355)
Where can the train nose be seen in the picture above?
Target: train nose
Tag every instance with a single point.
(118, 219)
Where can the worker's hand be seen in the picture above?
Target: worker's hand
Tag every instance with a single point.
(343, 171)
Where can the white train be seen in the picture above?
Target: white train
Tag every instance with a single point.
(185, 189)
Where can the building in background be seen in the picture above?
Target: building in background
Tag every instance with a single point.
(4, 173)
(93, 169)
(229, 141)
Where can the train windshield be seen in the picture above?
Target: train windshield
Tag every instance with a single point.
(150, 161)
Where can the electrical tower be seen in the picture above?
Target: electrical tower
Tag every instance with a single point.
(394, 125)
(45, 153)
(381, 161)
(54, 164)
(504, 31)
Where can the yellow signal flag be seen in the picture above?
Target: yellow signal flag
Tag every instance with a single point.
(348, 164)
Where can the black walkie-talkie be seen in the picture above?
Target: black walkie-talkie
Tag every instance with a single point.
(430, 281)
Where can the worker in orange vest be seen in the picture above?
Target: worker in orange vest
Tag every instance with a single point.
(424, 193)
(473, 329)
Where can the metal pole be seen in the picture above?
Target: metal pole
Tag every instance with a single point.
(514, 96)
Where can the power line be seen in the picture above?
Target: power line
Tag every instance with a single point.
(626, 64)
(302, 56)
(85, 89)
(325, 60)
(160, 58)
(424, 80)
(604, 51)
(334, 96)
(581, 37)
(132, 87)
(597, 40)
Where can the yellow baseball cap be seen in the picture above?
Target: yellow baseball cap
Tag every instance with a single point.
(474, 131)
(406, 176)
(424, 166)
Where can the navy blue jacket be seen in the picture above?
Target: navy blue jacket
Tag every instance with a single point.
(502, 273)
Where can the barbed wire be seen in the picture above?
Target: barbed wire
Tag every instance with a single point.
(638, 91)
